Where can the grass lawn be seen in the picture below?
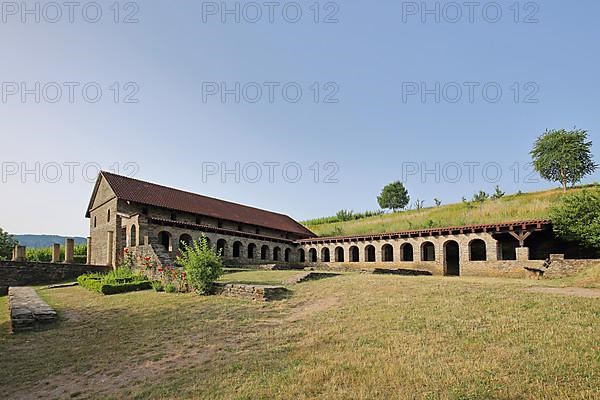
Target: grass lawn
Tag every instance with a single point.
(350, 337)
(516, 207)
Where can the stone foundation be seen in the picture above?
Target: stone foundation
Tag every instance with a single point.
(250, 292)
(27, 310)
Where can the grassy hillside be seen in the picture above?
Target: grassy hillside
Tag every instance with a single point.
(525, 206)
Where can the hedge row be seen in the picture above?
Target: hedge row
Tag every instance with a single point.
(95, 283)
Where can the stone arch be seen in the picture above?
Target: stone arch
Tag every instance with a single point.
(133, 236)
(206, 238)
(184, 238)
(325, 254)
(339, 254)
(237, 249)
(353, 254)
(407, 252)
(370, 253)
(264, 252)
(427, 251)
(286, 255)
(477, 250)
(164, 238)
(276, 253)
(451, 258)
(221, 247)
(301, 255)
(312, 255)
(251, 250)
(387, 252)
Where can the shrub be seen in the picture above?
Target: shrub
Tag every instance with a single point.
(158, 286)
(577, 217)
(201, 263)
(170, 288)
(120, 280)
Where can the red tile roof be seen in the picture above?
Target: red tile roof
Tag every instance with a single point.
(535, 225)
(161, 196)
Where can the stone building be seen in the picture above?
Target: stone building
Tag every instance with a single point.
(153, 220)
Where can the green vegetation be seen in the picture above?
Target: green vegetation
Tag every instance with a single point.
(393, 196)
(121, 280)
(342, 216)
(7, 244)
(576, 217)
(352, 337)
(202, 265)
(44, 254)
(520, 206)
(563, 156)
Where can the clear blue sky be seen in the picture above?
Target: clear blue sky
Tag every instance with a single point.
(371, 56)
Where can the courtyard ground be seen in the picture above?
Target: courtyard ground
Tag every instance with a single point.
(349, 337)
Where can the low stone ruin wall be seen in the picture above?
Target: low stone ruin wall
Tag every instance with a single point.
(559, 267)
(404, 272)
(25, 273)
(27, 310)
(250, 292)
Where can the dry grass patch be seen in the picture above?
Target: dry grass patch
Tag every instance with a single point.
(355, 336)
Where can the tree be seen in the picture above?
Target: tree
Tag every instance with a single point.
(202, 264)
(563, 156)
(394, 196)
(437, 202)
(576, 217)
(7, 244)
(480, 197)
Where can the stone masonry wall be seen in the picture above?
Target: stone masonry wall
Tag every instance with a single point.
(14, 273)
(560, 268)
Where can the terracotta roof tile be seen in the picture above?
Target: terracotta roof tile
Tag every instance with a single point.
(161, 196)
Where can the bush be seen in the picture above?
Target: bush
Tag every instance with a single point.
(577, 217)
(120, 280)
(170, 288)
(158, 286)
(201, 263)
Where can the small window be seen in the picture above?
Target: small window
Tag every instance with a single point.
(198, 220)
(173, 217)
(145, 210)
(108, 216)
(257, 231)
(240, 228)
(95, 222)
(220, 224)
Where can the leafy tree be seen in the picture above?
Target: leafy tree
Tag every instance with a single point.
(202, 264)
(419, 204)
(394, 196)
(563, 156)
(437, 202)
(576, 217)
(498, 194)
(7, 244)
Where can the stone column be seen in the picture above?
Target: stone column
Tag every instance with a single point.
(522, 253)
(56, 253)
(69, 249)
(89, 250)
(19, 253)
(109, 248)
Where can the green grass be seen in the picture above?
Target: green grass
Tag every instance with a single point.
(354, 336)
(526, 206)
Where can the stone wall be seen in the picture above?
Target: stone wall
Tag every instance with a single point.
(558, 267)
(250, 292)
(15, 273)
